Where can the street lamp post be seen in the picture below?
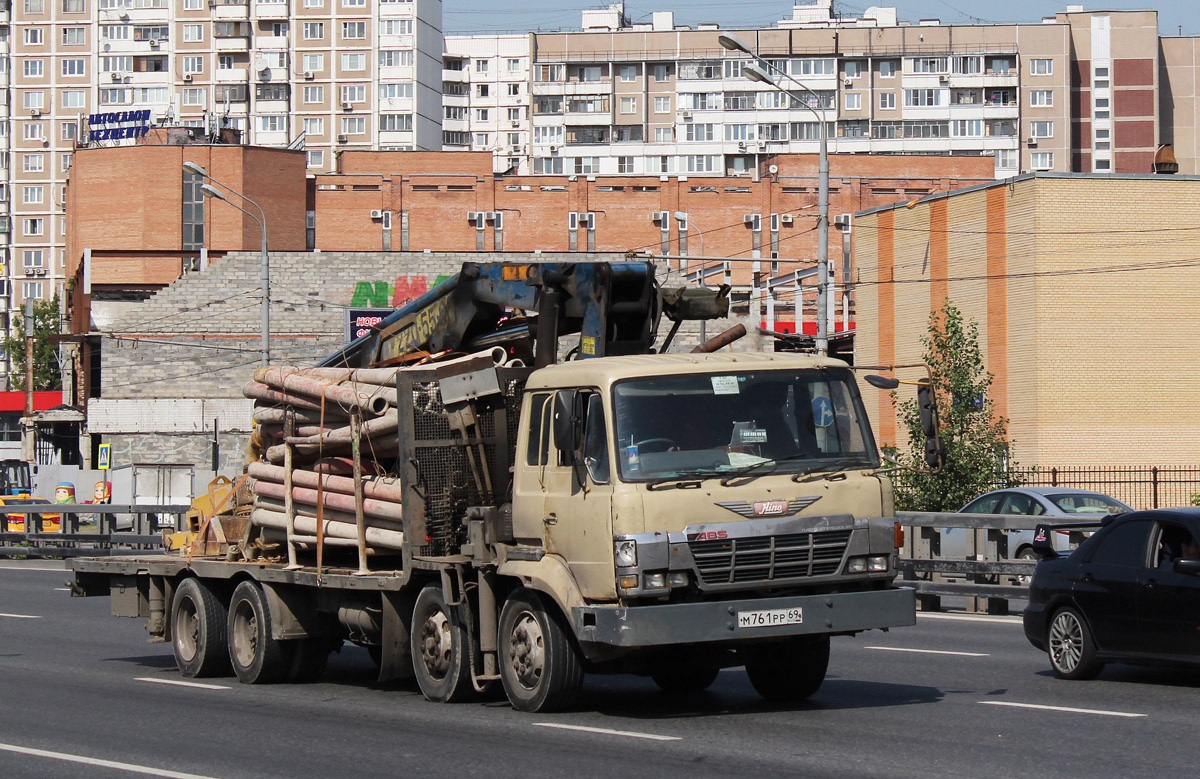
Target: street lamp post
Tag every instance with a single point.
(264, 257)
(734, 43)
(681, 216)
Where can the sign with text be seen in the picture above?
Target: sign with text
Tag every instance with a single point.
(118, 125)
(359, 321)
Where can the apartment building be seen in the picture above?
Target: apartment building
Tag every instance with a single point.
(1076, 92)
(319, 75)
(485, 97)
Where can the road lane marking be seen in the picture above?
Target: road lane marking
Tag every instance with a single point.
(970, 618)
(177, 683)
(1068, 709)
(62, 589)
(928, 651)
(608, 732)
(28, 568)
(129, 767)
(20, 616)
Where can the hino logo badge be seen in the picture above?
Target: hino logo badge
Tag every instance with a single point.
(769, 508)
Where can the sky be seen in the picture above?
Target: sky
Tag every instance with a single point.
(462, 16)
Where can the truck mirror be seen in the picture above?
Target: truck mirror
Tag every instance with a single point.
(568, 416)
(935, 451)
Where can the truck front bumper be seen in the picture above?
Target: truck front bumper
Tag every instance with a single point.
(693, 623)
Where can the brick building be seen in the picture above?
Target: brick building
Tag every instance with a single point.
(1081, 286)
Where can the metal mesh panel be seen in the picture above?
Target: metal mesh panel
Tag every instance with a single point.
(447, 479)
(770, 558)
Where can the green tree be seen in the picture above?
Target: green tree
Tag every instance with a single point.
(976, 440)
(46, 374)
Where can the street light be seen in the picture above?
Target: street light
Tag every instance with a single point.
(755, 73)
(682, 216)
(209, 191)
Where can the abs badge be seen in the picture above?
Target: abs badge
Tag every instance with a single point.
(769, 508)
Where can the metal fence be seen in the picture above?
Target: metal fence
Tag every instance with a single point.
(91, 530)
(1143, 487)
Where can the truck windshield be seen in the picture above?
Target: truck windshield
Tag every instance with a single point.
(696, 425)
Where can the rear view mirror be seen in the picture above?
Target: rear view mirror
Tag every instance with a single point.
(935, 453)
(568, 421)
(1043, 543)
(1187, 566)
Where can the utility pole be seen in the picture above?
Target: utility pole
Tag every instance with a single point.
(27, 430)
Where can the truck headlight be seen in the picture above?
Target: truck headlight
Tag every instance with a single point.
(677, 579)
(877, 563)
(625, 553)
(856, 565)
(655, 581)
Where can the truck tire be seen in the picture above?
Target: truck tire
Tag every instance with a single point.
(198, 631)
(540, 665)
(440, 648)
(790, 670)
(306, 658)
(256, 657)
(693, 673)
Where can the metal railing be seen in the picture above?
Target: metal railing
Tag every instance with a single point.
(1143, 487)
(86, 530)
(986, 575)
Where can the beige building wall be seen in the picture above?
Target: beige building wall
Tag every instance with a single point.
(1083, 290)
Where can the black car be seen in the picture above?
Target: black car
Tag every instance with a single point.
(1129, 593)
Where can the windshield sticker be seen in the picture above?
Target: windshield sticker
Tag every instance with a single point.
(822, 411)
(725, 385)
(749, 435)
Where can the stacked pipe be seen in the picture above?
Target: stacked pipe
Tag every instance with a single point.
(316, 406)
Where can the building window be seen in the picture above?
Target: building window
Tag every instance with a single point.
(662, 105)
(74, 67)
(1041, 67)
(316, 158)
(33, 100)
(398, 27)
(624, 164)
(514, 114)
(922, 97)
(34, 68)
(271, 92)
(354, 125)
(74, 98)
(1041, 160)
(32, 290)
(33, 258)
(587, 165)
(825, 66)
(699, 132)
(33, 194)
(272, 123)
(74, 6)
(192, 217)
(314, 93)
(930, 65)
(514, 90)
(482, 90)
(966, 128)
(852, 68)
(887, 68)
(354, 30)
(481, 114)
(34, 36)
(314, 125)
(354, 93)
(1007, 158)
(548, 166)
(313, 62)
(1041, 98)
(853, 101)
(1041, 129)
(33, 163)
(193, 96)
(74, 36)
(354, 62)
(514, 65)
(629, 105)
(193, 33)
(887, 100)
(395, 91)
(313, 31)
(33, 226)
(34, 131)
(627, 73)
(664, 134)
(396, 122)
(662, 73)
(225, 62)
(193, 64)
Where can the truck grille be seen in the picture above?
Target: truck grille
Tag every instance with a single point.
(769, 558)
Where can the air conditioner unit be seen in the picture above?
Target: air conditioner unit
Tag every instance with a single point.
(154, 43)
(516, 123)
(847, 81)
(587, 220)
(944, 79)
(30, 271)
(343, 139)
(39, 271)
(754, 220)
(35, 112)
(844, 221)
(212, 3)
(661, 217)
(786, 219)
(476, 218)
(496, 218)
(741, 145)
(686, 115)
(309, 75)
(1032, 141)
(187, 76)
(376, 213)
(347, 106)
(117, 76)
(554, 150)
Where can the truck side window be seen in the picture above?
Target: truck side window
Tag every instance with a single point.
(539, 429)
(595, 441)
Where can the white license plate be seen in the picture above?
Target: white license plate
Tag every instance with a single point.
(768, 618)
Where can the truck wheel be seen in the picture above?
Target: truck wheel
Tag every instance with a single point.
(791, 670)
(539, 662)
(440, 646)
(198, 631)
(685, 674)
(257, 658)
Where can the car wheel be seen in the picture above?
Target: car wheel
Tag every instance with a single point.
(693, 673)
(540, 665)
(1025, 555)
(440, 648)
(1070, 646)
(257, 657)
(790, 670)
(198, 630)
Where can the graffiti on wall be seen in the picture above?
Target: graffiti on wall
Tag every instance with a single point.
(394, 294)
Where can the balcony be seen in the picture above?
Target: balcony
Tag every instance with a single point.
(232, 12)
(270, 10)
(231, 75)
(240, 43)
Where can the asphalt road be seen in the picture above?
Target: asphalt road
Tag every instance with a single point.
(83, 694)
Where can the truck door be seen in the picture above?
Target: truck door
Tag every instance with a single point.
(577, 504)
